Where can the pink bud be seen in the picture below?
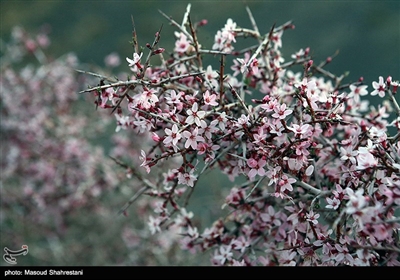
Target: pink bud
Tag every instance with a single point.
(328, 59)
(43, 40)
(155, 137)
(203, 22)
(288, 26)
(30, 45)
(395, 85)
(252, 162)
(159, 50)
(388, 80)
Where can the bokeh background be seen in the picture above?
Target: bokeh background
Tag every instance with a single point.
(366, 33)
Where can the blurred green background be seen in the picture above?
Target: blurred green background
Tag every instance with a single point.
(367, 34)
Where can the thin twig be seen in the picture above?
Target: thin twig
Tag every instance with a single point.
(227, 149)
(124, 94)
(133, 199)
(151, 52)
(255, 186)
(261, 47)
(253, 23)
(183, 30)
(221, 80)
(134, 37)
(97, 75)
(196, 44)
(143, 82)
(241, 101)
(186, 16)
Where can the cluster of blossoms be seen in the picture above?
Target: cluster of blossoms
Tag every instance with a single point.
(314, 167)
(58, 184)
(50, 167)
(321, 166)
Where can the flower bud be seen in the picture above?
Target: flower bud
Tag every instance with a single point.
(395, 85)
(30, 45)
(328, 59)
(155, 137)
(388, 80)
(159, 50)
(202, 22)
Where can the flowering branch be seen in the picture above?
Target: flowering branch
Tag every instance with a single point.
(315, 162)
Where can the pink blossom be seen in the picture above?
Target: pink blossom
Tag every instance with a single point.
(271, 217)
(228, 30)
(245, 65)
(145, 161)
(192, 232)
(271, 105)
(302, 131)
(257, 167)
(277, 39)
(148, 98)
(295, 163)
(281, 112)
(223, 38)
(212, 77)
(208, 130)
(195, 116)
(348, 154)
(357, 91)
(273, 174)
(379, 88)
(235, 196)
(333, 203)
(192, 138)
(224, 254)
(154, 224)
(182, 44)
(220, 121)
(241, 243)
(366, 160)
(173, 135)
(343, 254)
(135, 61)
(356, 200)
(210, 99)
(187, 178)
(276, 127)
(184, 217)
(112, 60)
(286, 258)
(312, 217)
(298, 55)
(285, 183)
(122, 122)
(174, 99)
